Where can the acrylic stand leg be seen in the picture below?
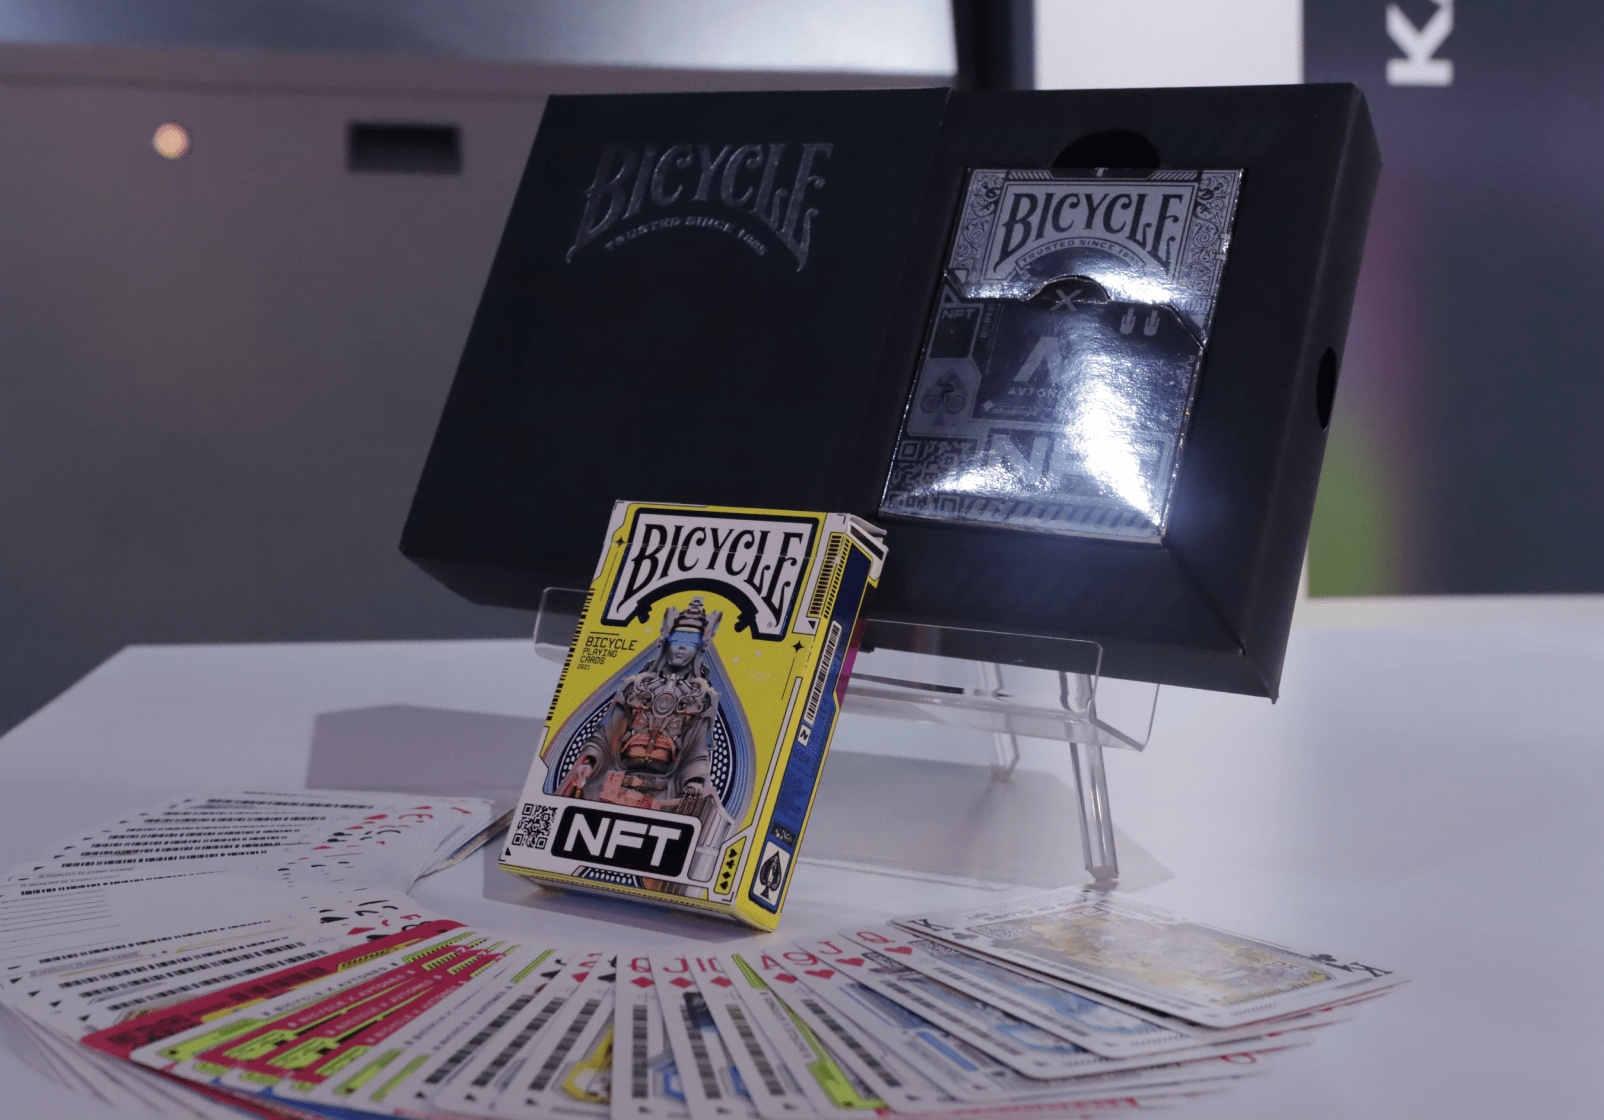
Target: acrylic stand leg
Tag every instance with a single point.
(1007, 745)
(1006, 742)
(1096, 821)
(1077, 694)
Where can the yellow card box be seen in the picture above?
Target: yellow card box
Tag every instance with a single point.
(692, 717)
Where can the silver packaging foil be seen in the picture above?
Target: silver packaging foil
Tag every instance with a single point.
(1063, 352)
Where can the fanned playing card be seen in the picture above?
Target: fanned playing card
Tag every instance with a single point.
(1198, 972)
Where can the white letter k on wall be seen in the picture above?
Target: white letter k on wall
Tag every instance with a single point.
(1418, 67)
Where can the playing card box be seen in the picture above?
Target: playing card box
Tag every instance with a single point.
(1074, 349)
(691, 720)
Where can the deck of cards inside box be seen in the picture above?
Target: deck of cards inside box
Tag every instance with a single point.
(1072, 349)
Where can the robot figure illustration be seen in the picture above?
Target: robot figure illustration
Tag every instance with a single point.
(651, 749)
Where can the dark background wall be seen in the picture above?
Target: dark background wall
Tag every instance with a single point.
(219, 375)
(1465, 453)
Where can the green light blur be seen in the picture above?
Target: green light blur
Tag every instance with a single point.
(1353, 543)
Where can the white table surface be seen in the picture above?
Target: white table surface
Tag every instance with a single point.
(1427, 798)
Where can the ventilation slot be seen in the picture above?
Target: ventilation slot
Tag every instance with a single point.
(427, 149)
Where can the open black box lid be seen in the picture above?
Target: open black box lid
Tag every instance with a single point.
(742, 326)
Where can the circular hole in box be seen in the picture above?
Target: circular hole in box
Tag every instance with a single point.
(1325, 387)
(1113, 147)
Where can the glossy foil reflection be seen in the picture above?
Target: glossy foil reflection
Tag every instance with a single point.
(1085, 401)
(1064, 352)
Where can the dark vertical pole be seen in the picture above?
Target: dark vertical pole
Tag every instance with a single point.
(996, 42)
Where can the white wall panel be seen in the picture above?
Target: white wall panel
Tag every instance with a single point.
(1099, 44)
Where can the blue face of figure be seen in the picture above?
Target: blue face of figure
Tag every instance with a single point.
(682, 646)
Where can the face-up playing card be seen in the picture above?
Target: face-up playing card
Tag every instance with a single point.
(775, 1092)
(958, 1070)
(255, 1031)
(646, 1079)
(1101, 1024)
(570, 1069)
(828, 1085)
(351, 1026)
(503, 1059)
(713, 1089)
(885, 1075)
(305, 981)
(1143, 1035)
(1133, 952)
(134, 945)
(1020, 1045)
(405, 1068)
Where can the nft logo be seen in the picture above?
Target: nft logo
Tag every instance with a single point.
(628, 841)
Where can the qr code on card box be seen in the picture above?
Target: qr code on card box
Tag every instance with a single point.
(534, 825)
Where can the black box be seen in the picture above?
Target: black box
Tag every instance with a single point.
(742, 326)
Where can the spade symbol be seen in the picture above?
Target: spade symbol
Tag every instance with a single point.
(769, 873)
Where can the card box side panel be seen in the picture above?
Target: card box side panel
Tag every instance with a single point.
(1246, 492)
(1268, 621)
(788, 811)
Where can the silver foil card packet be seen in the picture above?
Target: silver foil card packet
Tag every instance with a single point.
(1063, 352)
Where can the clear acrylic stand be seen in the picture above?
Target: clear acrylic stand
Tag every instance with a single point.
(901, 673)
